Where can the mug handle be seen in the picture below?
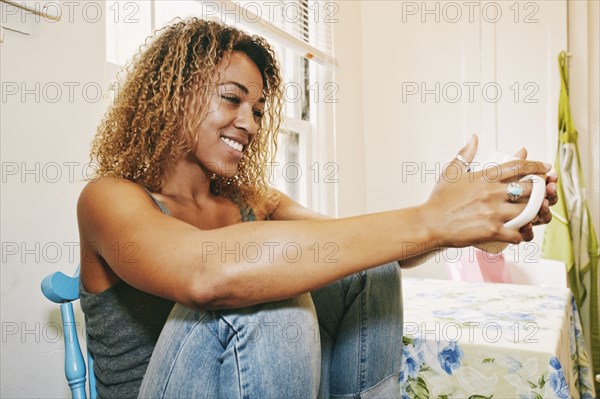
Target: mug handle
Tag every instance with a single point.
(536, 199)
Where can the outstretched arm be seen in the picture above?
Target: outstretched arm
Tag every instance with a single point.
(238, 265)
(288, 209)
(257, 262)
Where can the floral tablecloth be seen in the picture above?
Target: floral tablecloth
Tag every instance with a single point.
(483, 340)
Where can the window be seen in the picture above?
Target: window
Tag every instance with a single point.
(298, 30)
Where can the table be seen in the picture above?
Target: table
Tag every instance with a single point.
(484, 340)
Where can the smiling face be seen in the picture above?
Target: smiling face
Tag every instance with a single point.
(234, 111)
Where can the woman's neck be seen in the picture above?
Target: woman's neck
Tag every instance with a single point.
(188, 180)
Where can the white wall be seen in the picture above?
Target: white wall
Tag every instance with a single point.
(397, 133)
(408, 138)
(49, 136)
(415, 129)
(349, 121)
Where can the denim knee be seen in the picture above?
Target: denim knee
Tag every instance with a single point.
(267, 350)
(277, 346)
(385, 279)
(368, 343)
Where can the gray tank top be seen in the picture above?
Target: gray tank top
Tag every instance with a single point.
(123, 325)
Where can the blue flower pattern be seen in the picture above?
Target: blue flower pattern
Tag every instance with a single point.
(412, 360)
(418, 371)
(557, 379)
(579, 355)
(450, 357)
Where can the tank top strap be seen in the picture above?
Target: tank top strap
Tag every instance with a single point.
(160, 205)
(247, 214)
(246, 211)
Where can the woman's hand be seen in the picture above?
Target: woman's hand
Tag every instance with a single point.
(544, 216)
(467, 208)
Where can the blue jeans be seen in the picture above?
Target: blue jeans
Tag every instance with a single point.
(341, 341)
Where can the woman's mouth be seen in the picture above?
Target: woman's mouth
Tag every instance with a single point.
(232, 144)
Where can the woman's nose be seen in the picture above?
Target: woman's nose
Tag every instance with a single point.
(246, 121)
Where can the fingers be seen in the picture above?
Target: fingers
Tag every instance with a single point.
(552, 194)
(522, 153)
(514, 170)
(526, 232)
(501, 189)
(510, 210)
(552, 198)
(544, 216)
(491, 203)
(511, 236)
(552, 188)
(514, 213)
(526, 185)
(467, 153)
(552, 177)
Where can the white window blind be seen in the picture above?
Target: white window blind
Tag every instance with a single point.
(305, 26)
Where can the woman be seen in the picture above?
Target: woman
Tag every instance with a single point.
(293, 308)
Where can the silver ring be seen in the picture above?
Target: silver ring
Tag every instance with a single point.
(464, 161)
(514, 191)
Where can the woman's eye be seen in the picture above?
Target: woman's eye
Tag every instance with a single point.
(258, 114)
(231, 99)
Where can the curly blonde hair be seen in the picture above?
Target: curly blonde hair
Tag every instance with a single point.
(147, 129)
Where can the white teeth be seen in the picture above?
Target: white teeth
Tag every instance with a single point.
(233, 144)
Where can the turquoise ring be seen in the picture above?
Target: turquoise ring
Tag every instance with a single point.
(514, 191)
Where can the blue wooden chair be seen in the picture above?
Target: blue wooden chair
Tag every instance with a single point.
(60, 288)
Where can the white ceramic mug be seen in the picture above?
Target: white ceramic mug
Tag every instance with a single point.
(536, 199)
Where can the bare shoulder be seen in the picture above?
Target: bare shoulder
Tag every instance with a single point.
(108, 196)
(110, 188)
(105, 209)
(125, 236)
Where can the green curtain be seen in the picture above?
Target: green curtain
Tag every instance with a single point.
(570, 237)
